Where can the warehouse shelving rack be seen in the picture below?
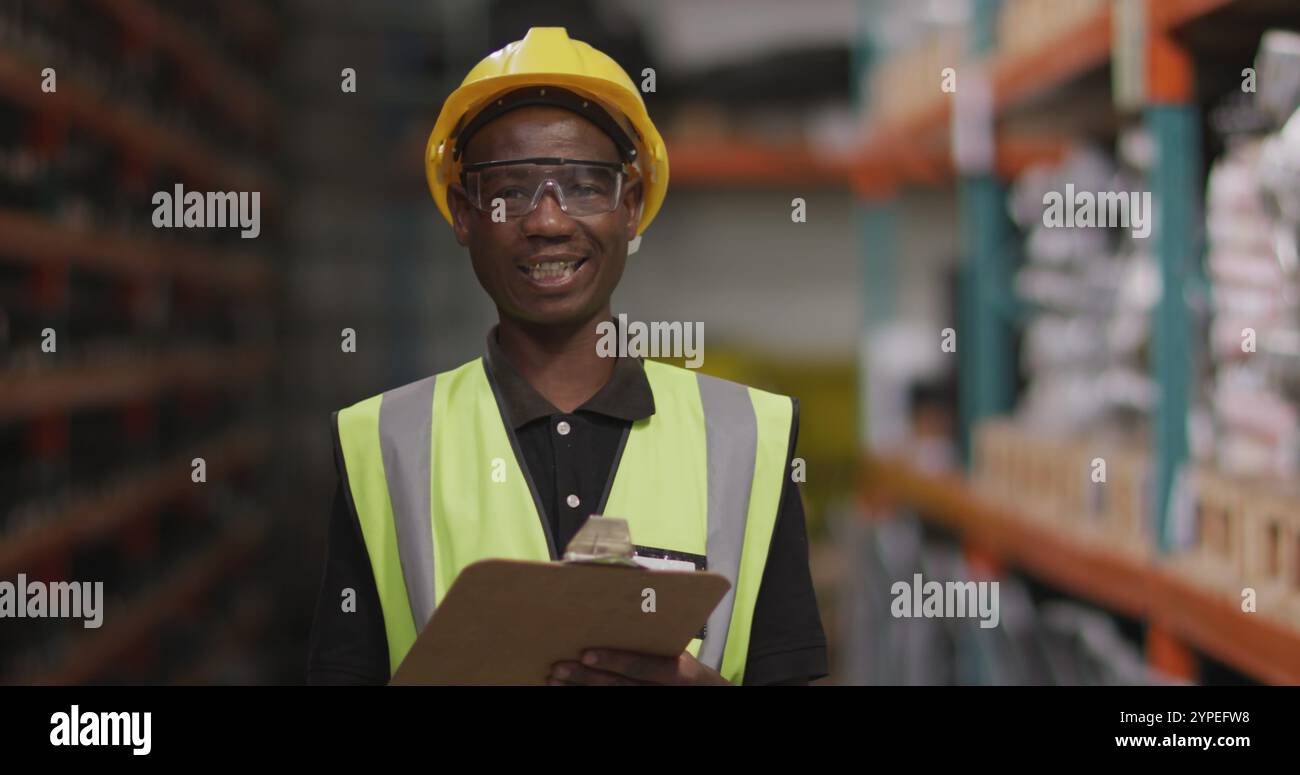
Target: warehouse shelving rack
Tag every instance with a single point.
(1181, 620)
(197, 574)
(228, 276)
(241, 98)
(20, 81)
(38, 239)
(914, 150)
(89, 517)
(66, 389)
(1181, 613)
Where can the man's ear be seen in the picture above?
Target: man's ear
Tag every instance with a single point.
(458, 204)
(633, 199)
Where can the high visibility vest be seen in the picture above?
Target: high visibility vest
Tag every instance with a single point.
(436, 479)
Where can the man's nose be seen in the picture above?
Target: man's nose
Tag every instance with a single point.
(548, 219)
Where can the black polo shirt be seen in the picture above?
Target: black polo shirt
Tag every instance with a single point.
(570, 459)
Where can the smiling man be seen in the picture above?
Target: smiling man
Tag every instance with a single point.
(547, 166)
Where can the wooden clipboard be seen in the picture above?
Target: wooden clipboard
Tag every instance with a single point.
(505, 622)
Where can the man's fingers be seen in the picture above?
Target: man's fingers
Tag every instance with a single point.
(575, 674)
(639, 667)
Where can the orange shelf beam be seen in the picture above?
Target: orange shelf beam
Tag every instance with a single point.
(1112, 579)
(1021, 76)
(752, 163)
(1255, 645)
(38, 239)
(238, 96)
(1258, 646)
(126, 629)
(30, 394)
(90, 517)
(749, 163)
(20, 81)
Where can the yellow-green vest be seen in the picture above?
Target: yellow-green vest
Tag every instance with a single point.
(435, 477)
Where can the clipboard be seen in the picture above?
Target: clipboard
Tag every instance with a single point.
(506, 622)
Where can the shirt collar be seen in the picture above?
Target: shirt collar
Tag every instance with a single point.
(627, 395)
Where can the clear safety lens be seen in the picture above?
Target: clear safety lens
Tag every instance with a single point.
(582, 189)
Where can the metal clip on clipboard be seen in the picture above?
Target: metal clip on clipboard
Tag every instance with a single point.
(602, 541)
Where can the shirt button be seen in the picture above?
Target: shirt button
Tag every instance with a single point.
(573, 501)
(563, 429)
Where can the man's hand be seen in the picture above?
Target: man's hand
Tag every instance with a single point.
(605, 667)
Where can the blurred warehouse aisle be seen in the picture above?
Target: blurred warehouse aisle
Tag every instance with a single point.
(138, 383)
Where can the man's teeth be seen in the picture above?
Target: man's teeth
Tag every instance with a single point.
(553, 270)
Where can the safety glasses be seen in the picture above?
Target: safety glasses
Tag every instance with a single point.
(581, 187)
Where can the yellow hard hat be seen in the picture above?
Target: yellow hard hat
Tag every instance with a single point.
(548, 57)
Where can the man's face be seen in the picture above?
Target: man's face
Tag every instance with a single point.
(504, 252)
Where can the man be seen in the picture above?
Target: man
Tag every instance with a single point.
(546, 165)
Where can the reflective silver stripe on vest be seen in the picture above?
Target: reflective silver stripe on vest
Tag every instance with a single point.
(405, 428)
(731, 431)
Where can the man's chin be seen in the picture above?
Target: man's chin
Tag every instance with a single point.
(559, 312)
(544, 306)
